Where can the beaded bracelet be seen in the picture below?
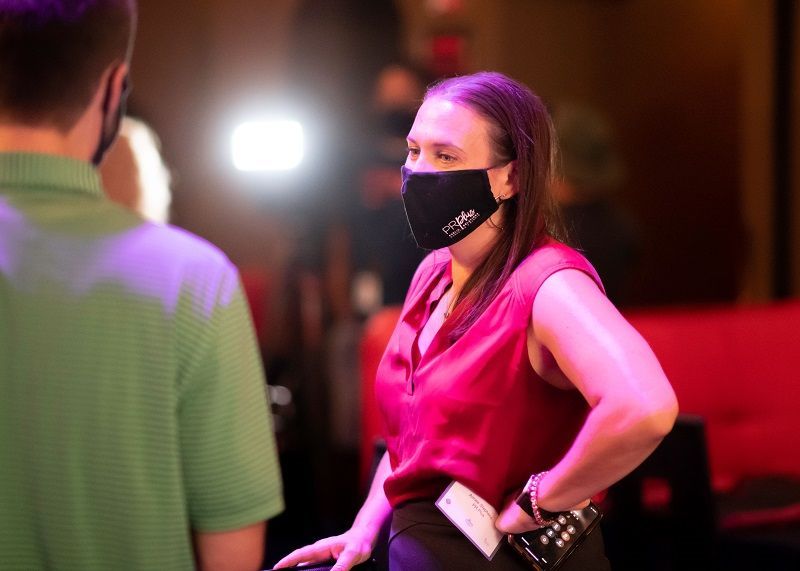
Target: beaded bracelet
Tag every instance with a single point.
(532, 488)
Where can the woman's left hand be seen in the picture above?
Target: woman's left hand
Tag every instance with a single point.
(514, 520)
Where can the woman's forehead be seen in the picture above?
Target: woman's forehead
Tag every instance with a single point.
(440, 120)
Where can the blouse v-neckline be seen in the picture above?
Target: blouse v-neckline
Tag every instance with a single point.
(437, 318)
(430, 303)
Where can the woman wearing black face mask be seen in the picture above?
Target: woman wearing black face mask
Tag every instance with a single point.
(509, 372)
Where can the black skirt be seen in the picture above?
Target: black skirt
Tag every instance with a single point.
(423, 539)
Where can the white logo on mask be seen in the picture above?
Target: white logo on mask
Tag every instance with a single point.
(459, 223)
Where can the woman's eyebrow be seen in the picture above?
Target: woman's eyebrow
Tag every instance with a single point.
(437, 144)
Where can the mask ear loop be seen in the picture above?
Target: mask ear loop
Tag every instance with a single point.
(499, 200)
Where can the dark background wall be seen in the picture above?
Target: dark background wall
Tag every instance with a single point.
(668, 76)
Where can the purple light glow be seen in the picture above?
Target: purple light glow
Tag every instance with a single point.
(148, 260)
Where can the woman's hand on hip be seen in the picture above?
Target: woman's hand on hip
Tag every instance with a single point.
(513, 518)
(348, 549)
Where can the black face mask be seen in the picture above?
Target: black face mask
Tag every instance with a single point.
(111, 124)
(443, 207)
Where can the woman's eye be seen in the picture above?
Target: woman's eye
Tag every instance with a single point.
(445, 158)
(413, 153)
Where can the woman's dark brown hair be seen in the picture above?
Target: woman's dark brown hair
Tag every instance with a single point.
(521, 131)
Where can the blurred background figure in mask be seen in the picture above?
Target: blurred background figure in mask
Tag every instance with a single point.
(372, 256)
(592, 172)
(383, 246)
(134, 173)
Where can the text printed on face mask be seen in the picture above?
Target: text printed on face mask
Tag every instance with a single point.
(459, 223)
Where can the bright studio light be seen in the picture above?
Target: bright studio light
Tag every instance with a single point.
(267, 145)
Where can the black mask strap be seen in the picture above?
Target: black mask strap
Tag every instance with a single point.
(110, 127)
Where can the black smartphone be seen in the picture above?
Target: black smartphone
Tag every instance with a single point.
(547, 548)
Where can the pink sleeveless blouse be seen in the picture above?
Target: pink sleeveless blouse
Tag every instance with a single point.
(473, 411)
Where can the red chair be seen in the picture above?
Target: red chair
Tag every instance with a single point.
(377, 332)
(257, 286)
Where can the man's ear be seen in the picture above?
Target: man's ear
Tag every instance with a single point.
(119, 84)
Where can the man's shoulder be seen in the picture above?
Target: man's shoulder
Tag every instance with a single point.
(176, 263)
(175, 245)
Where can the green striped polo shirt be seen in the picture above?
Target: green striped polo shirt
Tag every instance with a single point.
(132, 399)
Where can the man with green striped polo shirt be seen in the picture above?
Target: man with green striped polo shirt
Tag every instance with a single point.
(134, 425)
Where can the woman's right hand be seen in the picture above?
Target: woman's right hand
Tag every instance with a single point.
(348, 549)
(356, 544)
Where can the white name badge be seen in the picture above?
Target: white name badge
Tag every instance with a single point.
(471, 514)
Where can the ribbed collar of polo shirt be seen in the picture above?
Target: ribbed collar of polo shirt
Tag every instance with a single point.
(48, 172)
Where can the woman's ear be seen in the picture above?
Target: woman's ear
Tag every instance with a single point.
(510, 179)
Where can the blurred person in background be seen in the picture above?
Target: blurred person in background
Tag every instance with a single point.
(134, 428)
(372, 256)
(384, 249)
(509, 370)
(591, 174)
(134, 174)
